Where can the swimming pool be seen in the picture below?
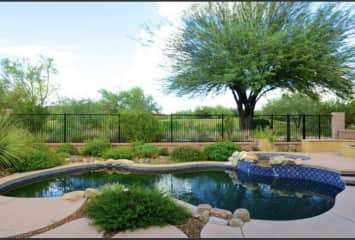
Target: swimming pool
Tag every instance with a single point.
(265, 197)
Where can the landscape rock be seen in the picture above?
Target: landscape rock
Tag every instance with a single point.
(235, 222)
(242, 213)
(216, 220)
(91, 193)
(73, 196)
(251, 157)
(221, 213)
(204, 216)
(119, 161)
(203, 207)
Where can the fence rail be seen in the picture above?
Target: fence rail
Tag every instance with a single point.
(79, 127)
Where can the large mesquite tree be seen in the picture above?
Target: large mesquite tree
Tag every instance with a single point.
(251, 48)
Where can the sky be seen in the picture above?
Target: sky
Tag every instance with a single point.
(94, 46)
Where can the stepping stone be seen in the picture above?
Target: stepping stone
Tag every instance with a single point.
(79, 228)
(211, 230)
(168, 231)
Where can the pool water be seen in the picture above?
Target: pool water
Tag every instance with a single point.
(274, 199)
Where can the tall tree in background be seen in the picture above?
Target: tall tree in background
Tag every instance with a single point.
(25, 86)
(133, 99)
(251, 48)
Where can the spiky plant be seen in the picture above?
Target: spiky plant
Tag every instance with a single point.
(13, 142)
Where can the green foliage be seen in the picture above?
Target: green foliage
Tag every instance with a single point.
(204, 110)
(119, 153)
(163, 151)
(265, 133)
(260, 123)
(116, 209)
(67, 148)
(140, 126)
(145, 150)
(96, 146)
(13, 143)
(187, 154)
(39, 157)
(220, 151)
(251, 48)
(133, 99)
(27, 86)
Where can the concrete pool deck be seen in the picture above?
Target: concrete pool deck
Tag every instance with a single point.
(23, 215)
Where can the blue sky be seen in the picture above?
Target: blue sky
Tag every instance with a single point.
(93, 47)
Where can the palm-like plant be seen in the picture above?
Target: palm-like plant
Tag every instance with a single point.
(13, 143)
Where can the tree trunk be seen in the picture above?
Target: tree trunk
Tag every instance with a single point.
(246, 120)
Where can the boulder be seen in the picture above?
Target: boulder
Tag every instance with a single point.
(299, 162)
(73, 196)
(235, 222)
(299, 195)
(203, 207)
(119, 162)
(251, 157)
(235, 154)
(221, 213)
(204, 216)
(91, 193)
(242, 214)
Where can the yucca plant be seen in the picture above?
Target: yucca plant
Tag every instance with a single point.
(13, 142)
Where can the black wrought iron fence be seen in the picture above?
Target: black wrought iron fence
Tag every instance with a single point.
(72, 127)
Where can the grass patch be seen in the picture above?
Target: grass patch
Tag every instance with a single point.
(96, 147)
(67, 148)
(119, 153)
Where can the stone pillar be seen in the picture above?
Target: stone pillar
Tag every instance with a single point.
(338, 123)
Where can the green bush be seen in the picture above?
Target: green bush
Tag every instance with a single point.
(96, 147)
(145, 150)
(163, 152)
(220, 151)
(140, 126)
(67, 148)
(186, 154)
(39, 157)
(118, 153)
(116, 209)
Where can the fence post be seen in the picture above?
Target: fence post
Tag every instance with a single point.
(65, 128)
(272, 121)
(119, 128)
(288, 127)
(171, 127)
(304, 126)
(222, 127)
(319, 130)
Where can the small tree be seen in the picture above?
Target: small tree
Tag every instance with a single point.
(252, 48)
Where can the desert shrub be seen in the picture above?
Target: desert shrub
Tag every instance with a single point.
(39, 157)
(67, 148)
(220, 151)
(14, 142)
(187, 153)
(118, 153)
(118, 209)
(267, 133)
(163, 151)
(96, 146)
(140, 126)
(145, 150)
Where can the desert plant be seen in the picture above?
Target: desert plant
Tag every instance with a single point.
(96, 146)
(140, 126)
(265, 133)
(163, 151)
(39, 157)
(220, 151)
(117, 208)
(145, 150)
(118, 153)
(67, 148)
(13, 143)
(187, 153)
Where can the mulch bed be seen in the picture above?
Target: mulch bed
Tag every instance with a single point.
(192, 227)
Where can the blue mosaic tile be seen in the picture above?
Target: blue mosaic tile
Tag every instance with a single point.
(293, 172)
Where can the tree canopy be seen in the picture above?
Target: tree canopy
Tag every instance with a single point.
(26, 86)
(251, 48)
